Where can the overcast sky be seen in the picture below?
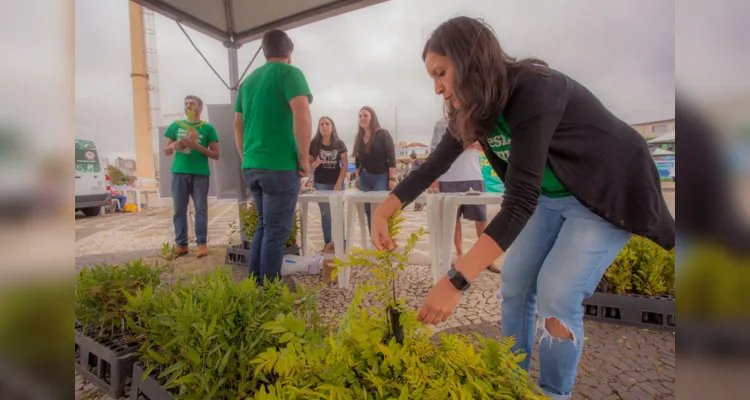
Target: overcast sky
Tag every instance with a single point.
(622, 50)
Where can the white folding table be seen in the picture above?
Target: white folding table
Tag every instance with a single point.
(137, 194)
(336, 200)
(450, 205)
(355, 205)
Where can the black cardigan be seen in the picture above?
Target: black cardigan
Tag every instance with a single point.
(599, 159)
(382, 154)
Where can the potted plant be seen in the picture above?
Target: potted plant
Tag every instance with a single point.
(199, 337)
(385, 266)
(239, 254)
(638, 288)
(104, 338)
(713, 307)
(191, 130)
(362, 359)
(35, 345)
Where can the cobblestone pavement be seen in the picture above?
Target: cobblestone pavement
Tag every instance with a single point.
(617, 363)
(116, 238)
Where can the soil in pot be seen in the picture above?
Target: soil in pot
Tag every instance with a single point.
(397, 330)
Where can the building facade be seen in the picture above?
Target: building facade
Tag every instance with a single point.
(654, 128)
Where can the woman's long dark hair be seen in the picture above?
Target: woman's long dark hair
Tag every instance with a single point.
(484, 74)
(318, 138)
(374, 127)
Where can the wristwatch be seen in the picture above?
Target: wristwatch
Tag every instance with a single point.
(458, 280)
(393, 178)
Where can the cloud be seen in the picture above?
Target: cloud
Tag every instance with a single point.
(623, 51)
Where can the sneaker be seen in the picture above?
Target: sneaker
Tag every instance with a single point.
(180, 251)
(202, 251)
(494, 268)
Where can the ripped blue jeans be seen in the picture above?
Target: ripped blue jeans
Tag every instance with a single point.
(556, 261)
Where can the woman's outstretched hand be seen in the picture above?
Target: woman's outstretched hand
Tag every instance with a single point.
(443, 298)
(379, 232)
(440, 303)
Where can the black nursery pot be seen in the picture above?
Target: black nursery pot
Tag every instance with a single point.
(396, 329)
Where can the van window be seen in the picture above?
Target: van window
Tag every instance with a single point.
(87, 158)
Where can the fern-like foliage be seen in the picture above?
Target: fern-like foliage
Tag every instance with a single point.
(249, 217)
(384, 266)
(360, 360)
(642, 267)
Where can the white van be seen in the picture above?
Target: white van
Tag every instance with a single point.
(91, 186)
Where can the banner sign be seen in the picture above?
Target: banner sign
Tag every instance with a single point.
(491, 181)
(664, 165)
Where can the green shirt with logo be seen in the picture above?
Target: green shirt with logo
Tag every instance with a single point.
(263, 100)
(499, 142)
(190, 161)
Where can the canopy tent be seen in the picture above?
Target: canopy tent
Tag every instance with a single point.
(235, 22)
(665, 138)
(661, 152)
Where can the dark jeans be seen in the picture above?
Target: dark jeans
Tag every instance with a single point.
(275, 197)
(325, 211)
(123, 200)
(185, 186)
(369, 182)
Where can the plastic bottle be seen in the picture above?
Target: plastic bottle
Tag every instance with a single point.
(315, 264)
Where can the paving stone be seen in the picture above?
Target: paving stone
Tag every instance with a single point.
(627, 380)
(639, 394)
(590, 393)
(650, 388)
(637, 376)
(669, 385)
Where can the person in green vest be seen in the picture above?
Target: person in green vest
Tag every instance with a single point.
(272, 130)
(579, 182)
(192, 142)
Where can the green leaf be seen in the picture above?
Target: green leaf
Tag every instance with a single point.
(212, 326)
(286, 337)
(172, 368)
(193, 355)
(147, 372)
(189, 378)
(156, 356)
(224, 361)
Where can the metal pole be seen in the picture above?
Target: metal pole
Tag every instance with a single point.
(395, 108)
(234, 78)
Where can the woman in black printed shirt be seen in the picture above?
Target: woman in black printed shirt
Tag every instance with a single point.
(328, 159)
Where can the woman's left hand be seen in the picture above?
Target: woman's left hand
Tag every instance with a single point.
(440, 303)
(391, 184)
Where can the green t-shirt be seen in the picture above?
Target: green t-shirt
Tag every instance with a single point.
(191, 161)
(499, 142)
(263, 101)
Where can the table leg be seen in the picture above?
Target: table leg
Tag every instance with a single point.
(350, 215)
(363, 231)
(337, 231)
(434, 226)
(303, 208)
(450, 208)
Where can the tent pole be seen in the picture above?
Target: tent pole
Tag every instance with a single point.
(234, 78)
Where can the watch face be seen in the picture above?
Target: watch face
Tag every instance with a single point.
(458, 280)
